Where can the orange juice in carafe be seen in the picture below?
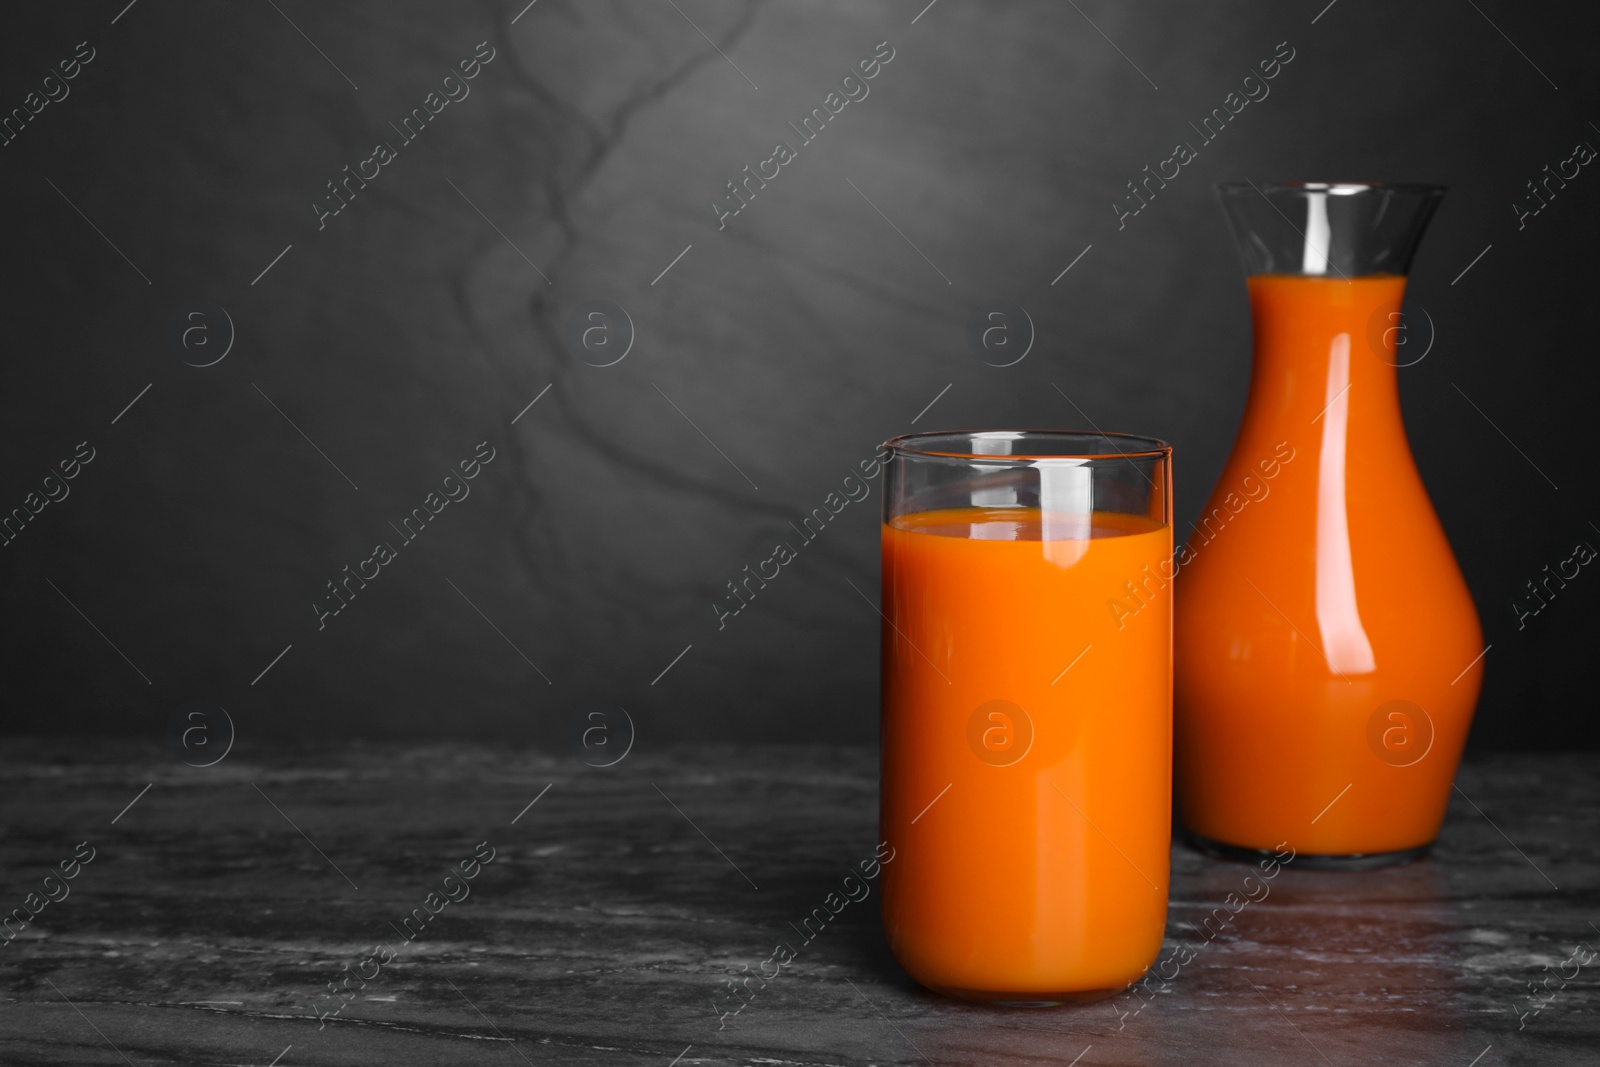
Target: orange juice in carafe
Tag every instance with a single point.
(1327, 649)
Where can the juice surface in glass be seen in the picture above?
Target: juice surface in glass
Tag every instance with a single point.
(1327, 648)
(1026, 749)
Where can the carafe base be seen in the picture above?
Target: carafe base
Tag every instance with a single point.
(1354, 861)
(1030, 999)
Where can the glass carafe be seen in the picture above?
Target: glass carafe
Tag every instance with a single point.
(1327, 652)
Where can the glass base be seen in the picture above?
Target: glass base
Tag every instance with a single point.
(1354, 861)
(1028, 998)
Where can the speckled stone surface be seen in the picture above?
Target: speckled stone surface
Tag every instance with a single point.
(220, 904)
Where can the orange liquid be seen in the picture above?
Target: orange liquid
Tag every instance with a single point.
(1324, 631)
(1040, 873)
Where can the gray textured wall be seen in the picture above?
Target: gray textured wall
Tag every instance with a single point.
(425, 315)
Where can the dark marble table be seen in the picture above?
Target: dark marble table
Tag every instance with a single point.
(217, 909)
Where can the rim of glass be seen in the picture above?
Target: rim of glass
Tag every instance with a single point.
(932, 444)
(1336, 188)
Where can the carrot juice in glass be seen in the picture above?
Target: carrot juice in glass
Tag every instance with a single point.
(1027, 711)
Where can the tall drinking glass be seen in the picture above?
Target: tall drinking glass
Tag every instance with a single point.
(1027, 711)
